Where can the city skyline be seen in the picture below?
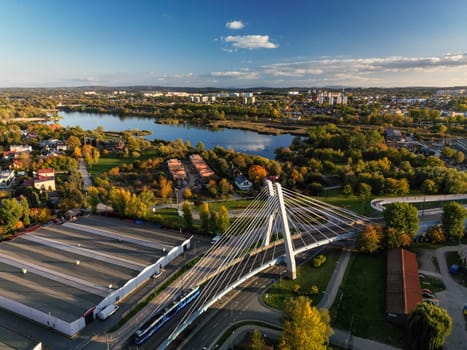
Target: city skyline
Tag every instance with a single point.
(237, 45)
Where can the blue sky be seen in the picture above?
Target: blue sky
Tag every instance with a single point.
(233, 43)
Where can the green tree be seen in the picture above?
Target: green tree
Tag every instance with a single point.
(204, 218)
(257, 341)
(10, 214)
(453, 218)
(364, 192)
(428, 326)
(403, 217)
(26, 211)
(369, 241)
(119, 199)
(305, 327)
(187, 216)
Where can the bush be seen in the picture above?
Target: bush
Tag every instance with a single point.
(319, 260)
(435, 235)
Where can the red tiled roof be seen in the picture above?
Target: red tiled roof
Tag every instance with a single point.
(403, 290)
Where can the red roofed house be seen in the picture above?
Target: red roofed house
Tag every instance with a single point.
(45, 180)
(403, 290)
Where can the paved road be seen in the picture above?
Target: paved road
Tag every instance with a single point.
(245, 303)
(84, 174)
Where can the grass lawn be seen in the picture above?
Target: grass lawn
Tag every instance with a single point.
(335, 197)
(361, 301)
(307, 276)
(106, 163)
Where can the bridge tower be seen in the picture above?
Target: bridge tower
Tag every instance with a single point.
(277, 200)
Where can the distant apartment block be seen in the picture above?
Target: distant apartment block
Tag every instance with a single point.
(201, 166)
(332, 98)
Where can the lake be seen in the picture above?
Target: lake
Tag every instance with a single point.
(239, 140)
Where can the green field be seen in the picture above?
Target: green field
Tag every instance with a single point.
(307, 276)
(361, 301)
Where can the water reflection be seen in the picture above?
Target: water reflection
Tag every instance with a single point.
(239, 140)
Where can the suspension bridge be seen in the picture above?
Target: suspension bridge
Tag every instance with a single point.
(278, 225)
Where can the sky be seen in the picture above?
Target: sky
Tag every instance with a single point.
(233, 44)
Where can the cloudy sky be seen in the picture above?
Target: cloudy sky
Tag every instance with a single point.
(240, 43)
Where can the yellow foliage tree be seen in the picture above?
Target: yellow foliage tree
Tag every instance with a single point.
(305, 327)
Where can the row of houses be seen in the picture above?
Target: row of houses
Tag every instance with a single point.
(202, 168)
(43, 180)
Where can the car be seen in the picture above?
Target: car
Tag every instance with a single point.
(427, 290)
(432, 301)
(465, 309)
(215, 239)
(428, 295)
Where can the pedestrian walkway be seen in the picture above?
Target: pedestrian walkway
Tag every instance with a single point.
(84, 174)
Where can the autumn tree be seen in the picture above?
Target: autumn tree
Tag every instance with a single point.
(256, 173)
(119, 198)
(396, 239)
(223, 219)
(453, 218)
(428, 327)
(165, 186)
(369, 240)
(305, 327)
(435, 235)
(403, 217)
(93, 198)
(204, 218)
(257, 341)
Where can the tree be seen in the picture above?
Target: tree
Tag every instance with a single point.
(428, 326)
(204, 218)
(435, 235)
(305, 327)
(187, 216)
(10, 214)
(452, 219)
(119, 199)
(256, 173)
(369, 241)
(403, 217)
(223, 220)
(397, 239)
(429, 187)
(364, 192)
(93, 193)
(257, 341)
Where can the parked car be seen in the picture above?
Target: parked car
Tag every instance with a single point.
(465, 309)
(427, 290)
(215, 239)
(432, 301)
(427, 294)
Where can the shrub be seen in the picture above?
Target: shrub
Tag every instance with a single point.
(319, 260)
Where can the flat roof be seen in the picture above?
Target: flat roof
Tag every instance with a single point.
(10, 340)
(72, 267)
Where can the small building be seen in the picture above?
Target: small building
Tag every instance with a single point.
(243, 183)
(403, 291)
(393, 135)
(203, 169)
(7, 177)
(45, 180)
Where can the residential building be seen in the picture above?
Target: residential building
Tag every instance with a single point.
(45, 180)
(7, 177)
(201, 166)
(243, 183)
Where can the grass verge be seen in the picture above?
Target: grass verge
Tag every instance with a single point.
(307, 275)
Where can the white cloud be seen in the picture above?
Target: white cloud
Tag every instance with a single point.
(241, 74)
(250, 42)
(235, 25)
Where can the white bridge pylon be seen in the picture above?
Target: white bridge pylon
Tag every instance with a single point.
(275, 227)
